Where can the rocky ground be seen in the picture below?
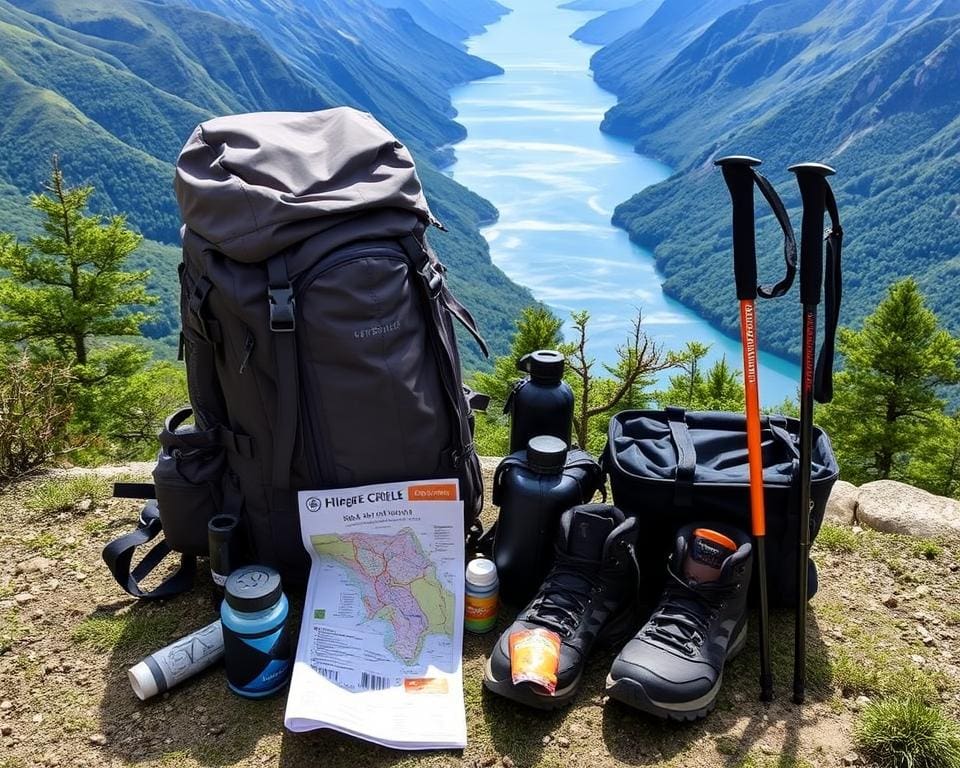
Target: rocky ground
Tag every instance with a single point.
(886, 620)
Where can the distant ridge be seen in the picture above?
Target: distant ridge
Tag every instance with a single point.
(115, 89)
(873, 89)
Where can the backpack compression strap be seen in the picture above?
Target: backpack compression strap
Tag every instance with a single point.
(118, 554)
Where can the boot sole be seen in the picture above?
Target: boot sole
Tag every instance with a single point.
(615, 632)
(632, 693)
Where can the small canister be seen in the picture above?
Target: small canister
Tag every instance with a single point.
(257, 647)
(220, 531)
(482, 596)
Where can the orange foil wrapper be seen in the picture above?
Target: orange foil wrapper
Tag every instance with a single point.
(535, 657)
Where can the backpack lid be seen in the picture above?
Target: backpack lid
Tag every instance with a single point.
(255, 184)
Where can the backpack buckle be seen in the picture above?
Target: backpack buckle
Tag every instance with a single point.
(282, 306)
(433, 280)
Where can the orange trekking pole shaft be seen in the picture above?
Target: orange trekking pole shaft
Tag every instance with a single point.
(740, 177)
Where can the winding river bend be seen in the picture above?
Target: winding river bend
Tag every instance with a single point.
(535, 150)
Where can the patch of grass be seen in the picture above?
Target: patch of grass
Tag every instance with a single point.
(727, 745)
(139, 630)
(837, 538)
(11, 630)
(63, 494)
(908, 733)
(755, 759)
(95, 525)
(872, 672)
(47, 544)
(926, 548)
(952, 616)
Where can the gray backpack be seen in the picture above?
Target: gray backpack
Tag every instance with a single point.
(317, 330)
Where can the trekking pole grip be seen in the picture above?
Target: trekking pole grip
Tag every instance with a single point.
(812, 179)
(739, 177)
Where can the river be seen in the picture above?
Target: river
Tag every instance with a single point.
(535, 150)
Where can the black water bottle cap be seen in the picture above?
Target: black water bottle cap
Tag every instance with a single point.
(546, 454)
(544, 364)
(253, 588)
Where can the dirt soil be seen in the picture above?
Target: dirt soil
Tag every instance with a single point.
(886, 619)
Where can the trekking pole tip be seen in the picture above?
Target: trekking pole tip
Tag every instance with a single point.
(818, 168)
(766, 688)
(737, 160)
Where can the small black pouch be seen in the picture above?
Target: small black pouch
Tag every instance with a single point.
(189, 482)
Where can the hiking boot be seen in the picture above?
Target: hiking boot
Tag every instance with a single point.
(590, 594)
(673, 668)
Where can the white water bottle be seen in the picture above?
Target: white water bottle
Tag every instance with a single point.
(172, 665)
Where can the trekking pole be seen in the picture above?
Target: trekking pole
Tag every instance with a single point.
(815, 376)
(740, 176)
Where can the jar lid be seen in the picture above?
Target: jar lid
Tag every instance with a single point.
(482, 572)
(253, 588)
(545, 364)
(546, 454)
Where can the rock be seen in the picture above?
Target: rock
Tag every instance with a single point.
(6, 730)
(890, 601)
(6, 704)
(917, 659)
(84, 505)
(842, 504)
(80, 576)
(506, 761)
(892, 507)
(23, 598)
(99, 739)
(851, 759)
(215, 730)
(767, 749)
(563, 742)
(860, 702)
(37, 718)
(546, 740)
(487, 762)
(34, 565)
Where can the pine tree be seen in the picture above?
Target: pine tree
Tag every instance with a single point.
(886, 399)
(66, 287)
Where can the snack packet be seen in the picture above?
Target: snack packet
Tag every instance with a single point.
(535, 657)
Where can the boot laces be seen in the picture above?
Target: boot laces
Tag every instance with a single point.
(567, 591)
(685, 613)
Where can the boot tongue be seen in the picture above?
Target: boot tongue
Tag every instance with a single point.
(587, 534)
(706, 554)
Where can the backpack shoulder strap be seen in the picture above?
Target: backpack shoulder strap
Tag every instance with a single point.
(118, 555)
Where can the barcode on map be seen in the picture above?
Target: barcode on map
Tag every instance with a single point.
(372, 682)
(333, 675)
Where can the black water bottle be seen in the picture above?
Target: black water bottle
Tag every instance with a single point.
(542, 403)
(533, 488)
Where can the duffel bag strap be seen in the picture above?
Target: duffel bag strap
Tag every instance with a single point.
(118, 555)
(686, 456)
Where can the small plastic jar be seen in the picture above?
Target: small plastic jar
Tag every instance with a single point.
(482, 596)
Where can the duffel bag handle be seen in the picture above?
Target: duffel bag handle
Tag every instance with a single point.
(687, 450)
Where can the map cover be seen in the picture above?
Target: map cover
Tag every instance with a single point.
(379, 653)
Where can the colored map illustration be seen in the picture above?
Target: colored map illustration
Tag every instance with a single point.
(399, 585)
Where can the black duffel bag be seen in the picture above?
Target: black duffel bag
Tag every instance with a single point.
(670, 468)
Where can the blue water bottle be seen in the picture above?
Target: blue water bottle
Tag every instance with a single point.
(256, 641)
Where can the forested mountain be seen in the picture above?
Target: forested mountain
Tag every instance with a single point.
(868, 87)
(616, 23)
(452, 22)
(115, 88)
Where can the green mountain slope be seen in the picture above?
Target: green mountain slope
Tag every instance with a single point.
(114, 89)
(888, 120)
(629, 61)
(615, 23)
